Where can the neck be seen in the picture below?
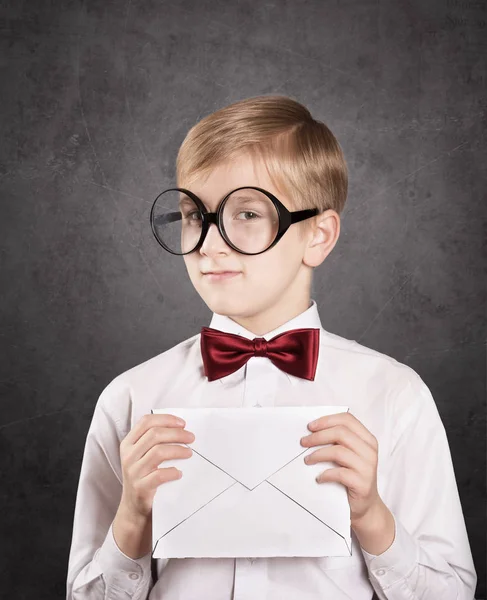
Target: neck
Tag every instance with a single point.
(289, 305)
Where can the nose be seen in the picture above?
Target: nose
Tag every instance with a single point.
(213, 242)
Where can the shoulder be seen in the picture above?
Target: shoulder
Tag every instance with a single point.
(122, 395)
(386, 394)
(381, 374)
(173, 357)
(363, 360)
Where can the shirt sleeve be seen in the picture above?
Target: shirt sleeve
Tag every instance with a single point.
(430, 556)
(97, 568)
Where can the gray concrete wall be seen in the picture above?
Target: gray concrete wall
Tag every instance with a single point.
(96, 98)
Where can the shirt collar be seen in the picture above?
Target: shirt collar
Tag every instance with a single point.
(308, 318)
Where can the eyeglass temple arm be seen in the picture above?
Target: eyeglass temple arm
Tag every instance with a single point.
(167, 218)
(301, 215)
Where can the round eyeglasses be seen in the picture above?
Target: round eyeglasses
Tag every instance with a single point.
(250, 220)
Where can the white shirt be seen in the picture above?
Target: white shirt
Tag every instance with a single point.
(430, 557)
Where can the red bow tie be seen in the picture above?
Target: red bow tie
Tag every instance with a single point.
(294, 351)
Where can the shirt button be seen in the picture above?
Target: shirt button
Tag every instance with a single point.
(380, 572)
(133, 576)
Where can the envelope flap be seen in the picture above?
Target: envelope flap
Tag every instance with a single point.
(250, 444)
(239, 523)
(328, 501)
(178, 500)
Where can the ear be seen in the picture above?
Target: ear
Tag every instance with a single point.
(321, 238)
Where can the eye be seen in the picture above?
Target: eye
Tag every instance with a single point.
(249, 212)
(191, 214)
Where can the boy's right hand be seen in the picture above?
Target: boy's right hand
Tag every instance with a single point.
(154, 439)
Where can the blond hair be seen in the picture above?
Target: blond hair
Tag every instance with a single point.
(302, 156)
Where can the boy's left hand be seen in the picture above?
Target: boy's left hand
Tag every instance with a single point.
(356, 450)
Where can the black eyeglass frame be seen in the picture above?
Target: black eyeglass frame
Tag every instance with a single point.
(286, 219)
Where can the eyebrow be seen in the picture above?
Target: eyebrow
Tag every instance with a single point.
(246, 199)
(241, 196)
(185, 201)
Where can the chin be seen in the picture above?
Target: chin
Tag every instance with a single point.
(224, 305)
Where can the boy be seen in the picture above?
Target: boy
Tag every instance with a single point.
(254, 270)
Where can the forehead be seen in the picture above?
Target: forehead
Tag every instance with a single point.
(234, 173)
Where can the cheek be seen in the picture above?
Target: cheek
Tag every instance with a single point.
(192, 270)
(278, 262)
(262, 269)
(270, 276)
(190, 262)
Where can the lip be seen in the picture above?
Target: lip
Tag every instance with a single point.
(220, 275)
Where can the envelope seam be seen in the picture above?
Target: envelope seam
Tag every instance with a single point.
(193, 513)
(222, 470)
(308, 511)
(284, 466)
(243, 484)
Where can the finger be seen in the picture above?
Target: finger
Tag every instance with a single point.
(338, 454)
(157, 455)
(158, 435)
(162, 475)
(163, 452)
(348, 420)
(343, 435)
(339, 474)
(151, 420)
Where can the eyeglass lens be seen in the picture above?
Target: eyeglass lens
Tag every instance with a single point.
(249, 218)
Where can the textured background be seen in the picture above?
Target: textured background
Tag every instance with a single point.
(96, 98)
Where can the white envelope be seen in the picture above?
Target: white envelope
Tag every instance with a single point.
(246, 490)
